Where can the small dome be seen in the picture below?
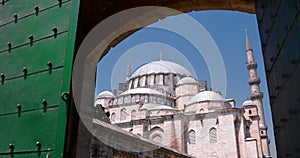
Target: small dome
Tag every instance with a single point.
(161, 67)
(206, 96)
(187, 80)
(105, 94)
(153, 107)
(248, 102)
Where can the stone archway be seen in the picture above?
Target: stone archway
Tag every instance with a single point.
(92, 13)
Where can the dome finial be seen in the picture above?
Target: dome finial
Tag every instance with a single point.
(160, 56)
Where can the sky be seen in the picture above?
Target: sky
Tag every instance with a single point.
(210, 44)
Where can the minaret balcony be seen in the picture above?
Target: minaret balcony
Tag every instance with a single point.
(256, 95)
(251, 65)
(254, 80)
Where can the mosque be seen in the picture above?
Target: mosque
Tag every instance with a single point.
(164, 103)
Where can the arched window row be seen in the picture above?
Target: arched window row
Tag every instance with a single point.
(212, 136)
(145, 98)
(153, 79)
(123, 115)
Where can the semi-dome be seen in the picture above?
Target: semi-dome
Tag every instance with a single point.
(187, 80)
(105, 94)
(161, 66)
(142, 91)
(206, 96)
(153, 107)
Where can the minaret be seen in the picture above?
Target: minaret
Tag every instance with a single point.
(256, 95)
(128, 73)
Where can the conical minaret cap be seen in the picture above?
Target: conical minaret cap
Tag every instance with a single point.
(248, 44)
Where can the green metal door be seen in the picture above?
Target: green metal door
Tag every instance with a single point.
(36, 51)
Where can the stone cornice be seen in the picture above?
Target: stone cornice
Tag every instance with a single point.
(256, 95)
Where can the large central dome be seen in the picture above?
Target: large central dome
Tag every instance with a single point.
(161, 67)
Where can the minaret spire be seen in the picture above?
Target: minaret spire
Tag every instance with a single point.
(160, 56)
(248, 44)
(128, 73)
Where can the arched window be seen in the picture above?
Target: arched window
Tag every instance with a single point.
(136, 98)
(201, 110)
(133, 114)
(156, 134)
(146, 99)
(127, 99)
(135, 82)
(250, 112)
(143, 81)
(247, 132)
(123, 114)
(113, 117)
(152, 80)
(154, 99)
(213, 135)
(157, 138)
(192, 137)
(159, 100)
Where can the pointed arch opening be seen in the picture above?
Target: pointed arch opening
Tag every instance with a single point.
(113, 117)
(133, 114)
(123, 114)
(192, 137)
(213, 135)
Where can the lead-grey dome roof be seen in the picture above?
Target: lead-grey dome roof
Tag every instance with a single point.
(105, 94)
(206, 96)
(161, 66)
(187, 80)
(217, 101)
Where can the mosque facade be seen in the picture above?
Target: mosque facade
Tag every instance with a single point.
(164, 103)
